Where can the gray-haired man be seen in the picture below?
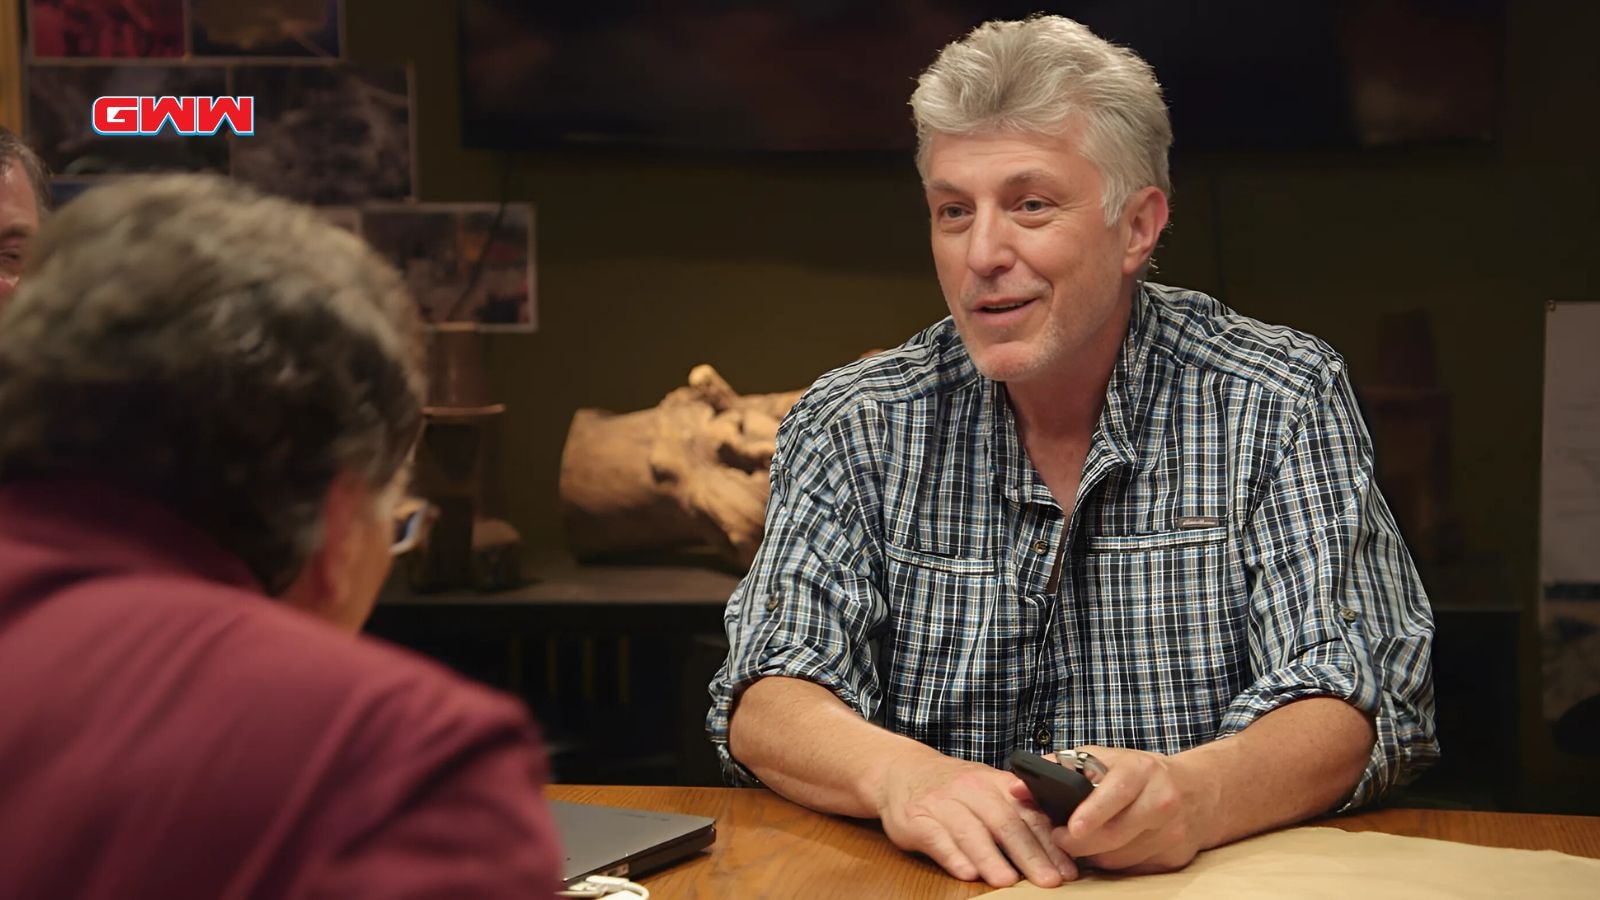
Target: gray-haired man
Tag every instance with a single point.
(1085, 512)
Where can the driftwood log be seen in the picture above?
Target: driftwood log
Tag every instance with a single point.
(690, 472)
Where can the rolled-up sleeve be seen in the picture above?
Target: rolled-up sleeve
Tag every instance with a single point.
(1337, 606)
(809, 603)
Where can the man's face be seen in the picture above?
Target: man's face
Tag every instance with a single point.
(1030, 270)
(19, 220)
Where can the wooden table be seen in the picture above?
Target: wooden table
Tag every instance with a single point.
(768, 847)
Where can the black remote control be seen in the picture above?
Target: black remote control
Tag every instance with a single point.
(1056, 788)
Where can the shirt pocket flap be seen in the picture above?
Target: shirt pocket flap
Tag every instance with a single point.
(955, 565)
(1165, 540)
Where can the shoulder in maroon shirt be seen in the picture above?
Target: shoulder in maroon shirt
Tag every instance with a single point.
(170, 731)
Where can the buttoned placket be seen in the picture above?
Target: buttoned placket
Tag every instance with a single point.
(1039, 707)
(1036, 712)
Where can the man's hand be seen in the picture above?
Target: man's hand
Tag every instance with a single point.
(1150, 813)
(969, 818)
(807, 745)
(1153, 813)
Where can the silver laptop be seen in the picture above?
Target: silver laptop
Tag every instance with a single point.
(607, 840)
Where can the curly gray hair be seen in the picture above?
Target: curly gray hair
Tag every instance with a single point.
(1037, 75)
(226, 353)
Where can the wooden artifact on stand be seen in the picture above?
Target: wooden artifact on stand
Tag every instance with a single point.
(466, 547)
(690, 472)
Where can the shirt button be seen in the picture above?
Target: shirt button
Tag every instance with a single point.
(772, 603)
(1348, 614)
(1042, 738)
(1041, 546)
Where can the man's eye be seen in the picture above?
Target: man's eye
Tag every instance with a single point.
(1033, 205)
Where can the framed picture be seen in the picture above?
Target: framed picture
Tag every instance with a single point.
(311, 29)
(1569, 511)
(60, 100)
(346, 217)
(64, 190)
(106, 29)
(330, 135)
(464, 262)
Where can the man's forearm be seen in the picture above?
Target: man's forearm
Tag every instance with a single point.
(1293, 763)
(968, 817)
(807, 745)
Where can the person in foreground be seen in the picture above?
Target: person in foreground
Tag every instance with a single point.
(24, 197)
(210, 401)
(1086, 511)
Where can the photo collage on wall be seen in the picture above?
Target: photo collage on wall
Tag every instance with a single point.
(326, 131)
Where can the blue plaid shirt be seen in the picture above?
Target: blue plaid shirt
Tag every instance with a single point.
(1229, 553)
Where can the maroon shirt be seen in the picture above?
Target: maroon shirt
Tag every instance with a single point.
(168, 731)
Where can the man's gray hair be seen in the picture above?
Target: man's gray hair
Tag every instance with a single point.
(225, 353)
(14, 151)
(1039, 76)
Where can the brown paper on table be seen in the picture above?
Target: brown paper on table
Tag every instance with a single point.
(1337, 864)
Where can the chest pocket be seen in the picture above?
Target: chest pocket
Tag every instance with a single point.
(947, 625)
(1162, 624)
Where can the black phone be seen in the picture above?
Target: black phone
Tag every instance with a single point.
(1056, 788)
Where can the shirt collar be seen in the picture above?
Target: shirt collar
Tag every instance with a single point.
(1122, 421)
(103, 527)
(1128, 394)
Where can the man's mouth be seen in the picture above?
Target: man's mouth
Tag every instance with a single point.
(1003, 306)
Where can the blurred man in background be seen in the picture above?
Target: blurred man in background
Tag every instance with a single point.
(24, 197)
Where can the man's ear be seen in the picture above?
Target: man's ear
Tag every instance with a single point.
(1144, 218)
(323, 582)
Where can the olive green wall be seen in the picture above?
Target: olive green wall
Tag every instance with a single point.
(776, 271)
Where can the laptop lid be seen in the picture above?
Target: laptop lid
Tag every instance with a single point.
(607, 840)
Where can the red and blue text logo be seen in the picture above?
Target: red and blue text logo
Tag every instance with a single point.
(194, 116)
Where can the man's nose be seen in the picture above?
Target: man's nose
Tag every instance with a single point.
(989, 250)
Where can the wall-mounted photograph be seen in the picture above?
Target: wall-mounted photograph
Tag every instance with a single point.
(60, 104)
(1569, 528)
(464, 262)
(106, 29)
(64, 190)
(328, 135)
(346, 217)
(270, 28)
